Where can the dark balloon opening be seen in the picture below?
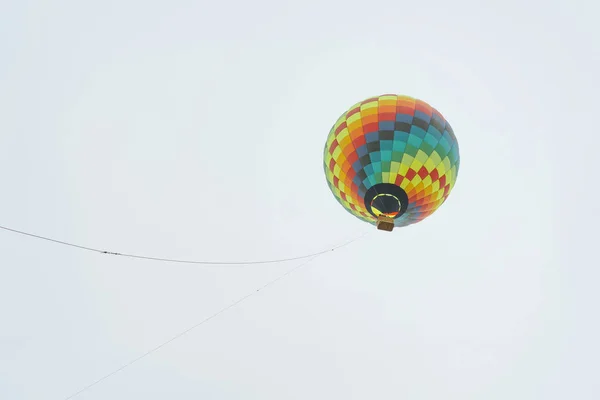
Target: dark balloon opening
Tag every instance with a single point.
(387, 199)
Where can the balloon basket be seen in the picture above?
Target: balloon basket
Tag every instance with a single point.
(385, 223)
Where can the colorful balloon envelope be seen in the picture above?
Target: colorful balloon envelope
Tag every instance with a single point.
(391, 160)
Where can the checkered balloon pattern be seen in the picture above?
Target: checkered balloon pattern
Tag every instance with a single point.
(387, 150)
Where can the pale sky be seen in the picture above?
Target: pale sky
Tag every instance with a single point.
(195, 130)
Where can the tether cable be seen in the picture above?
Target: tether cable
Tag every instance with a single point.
(230, 306)
(172, 260)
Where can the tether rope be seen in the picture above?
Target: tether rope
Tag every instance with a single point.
(173, 260)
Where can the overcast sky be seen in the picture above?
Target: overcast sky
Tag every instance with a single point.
(195, 130)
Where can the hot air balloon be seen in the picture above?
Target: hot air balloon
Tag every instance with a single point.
(391, 160)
